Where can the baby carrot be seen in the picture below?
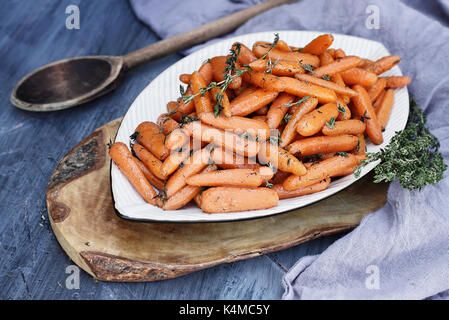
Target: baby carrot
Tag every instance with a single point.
(229, 160)
(149, 135)
(323, 144)
(264, 80)
(318, 45)
(237, 124)
(301, 89)
(314, 188)
(166, 123)
(344, 113)
(359, 76)
(149, 160)
(283, 46)
(339, 54)
(152, 179)
(340, 65)
(384, 110)
(397, 81)
(123, 158)
(376, 89)
(277, 68)
(326, 84)
(322, 170)
(248, 103)
(289, 132)
(364, 108)
(278, 109)
(280, 158)
(351, 126)
(185, 195)
(260, 48)
(383, 64)
(314, 121)
(229, 177)
(205, 70)
(221, 99)
(197, 162)
(202, 101)
(231, 199)
(218, 69)
(246, 56)
(360, 149)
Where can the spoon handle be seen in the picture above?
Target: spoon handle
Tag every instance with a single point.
(198, 35)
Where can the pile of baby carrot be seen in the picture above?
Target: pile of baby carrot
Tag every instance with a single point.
(260, 125)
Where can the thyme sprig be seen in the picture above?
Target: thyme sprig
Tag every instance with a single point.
(412, 156)
(273, 44)
(291, 103)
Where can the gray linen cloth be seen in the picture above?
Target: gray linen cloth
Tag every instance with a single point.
(402, 250)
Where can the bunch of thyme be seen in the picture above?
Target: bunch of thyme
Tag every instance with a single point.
(412, 156)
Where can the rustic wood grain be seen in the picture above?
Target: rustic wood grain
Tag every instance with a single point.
(114, 249)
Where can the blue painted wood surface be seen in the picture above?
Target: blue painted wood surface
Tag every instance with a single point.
(32, 264)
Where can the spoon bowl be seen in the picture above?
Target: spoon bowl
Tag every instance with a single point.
(66, 83)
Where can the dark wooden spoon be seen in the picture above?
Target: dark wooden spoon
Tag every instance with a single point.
(71, 82)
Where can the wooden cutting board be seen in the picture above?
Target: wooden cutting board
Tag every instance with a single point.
(109, 248)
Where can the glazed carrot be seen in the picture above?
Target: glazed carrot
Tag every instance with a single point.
(277, 68)
(384, 110)
(278, 109)
(151, 137)
(363, 106)
(283, 46)
(397, 81)
(279, 177)
(260, 48)
(262, 118)
(364, 63)
(351, 126)
(197, 162)
(202, 101)
(339, 54)
(326, 84)
(264, 80)
(205, 70)
(185, 195)
(314, 121)
(324, 144)
(317, 172)
(221, 99)
(150, 161)
(344, 113)
(262, 111)
(318, 45)
(337, 66)
(246, 56)
(375, 90)
(237, 124)
(280, 159)
(351, 169)
(229, 177)
(229, 199)
(177, 109)
(248, 103)
(359, 76)
(314, 188)
(383, 64)
(174, 160)
(123, 158)
(178, 138)
(301, 89)
(229, 160)
(379, 99)
(331, 52)
(185, 78)
(245, 88)
(326, 58)
(289, 132)
(360, 149)
(166, 123)
(152, 179)
(218, 69)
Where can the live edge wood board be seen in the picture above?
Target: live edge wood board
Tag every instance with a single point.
(109, 248)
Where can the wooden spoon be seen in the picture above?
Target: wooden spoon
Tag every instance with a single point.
(71, 82)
